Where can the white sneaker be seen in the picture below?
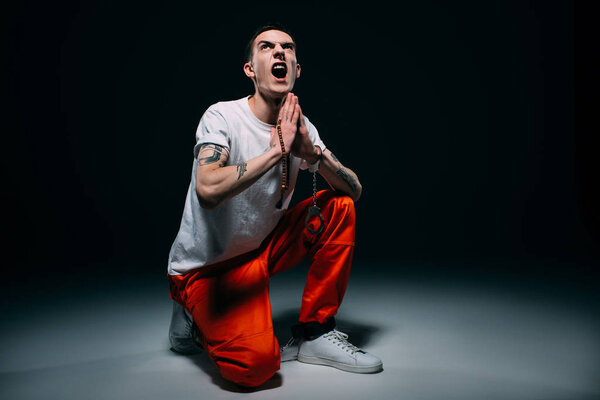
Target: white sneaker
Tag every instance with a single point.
(182, 333)
(289, 352)
(333, 349)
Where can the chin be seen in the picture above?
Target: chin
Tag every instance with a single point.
(279, 92)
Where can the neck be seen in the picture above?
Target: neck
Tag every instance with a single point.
(265, 108)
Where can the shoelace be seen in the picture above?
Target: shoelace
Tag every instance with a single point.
(341, 340)
(290, 342)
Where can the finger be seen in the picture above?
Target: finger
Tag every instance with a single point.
(301, 116)
(291, 105)
(283, 108)
(296, 114)
(287, 109)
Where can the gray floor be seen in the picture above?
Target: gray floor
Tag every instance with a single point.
(441, 336)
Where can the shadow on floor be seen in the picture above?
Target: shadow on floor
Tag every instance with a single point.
(359, 333)
(203, 362)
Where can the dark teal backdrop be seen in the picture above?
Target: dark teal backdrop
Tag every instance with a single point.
(459, 118)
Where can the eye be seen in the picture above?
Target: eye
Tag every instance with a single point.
(288, 46)
(264, 46)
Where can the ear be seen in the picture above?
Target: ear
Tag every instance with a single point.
(249, 70)
(297, 71)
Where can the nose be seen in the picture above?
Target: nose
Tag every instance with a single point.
(278, 52)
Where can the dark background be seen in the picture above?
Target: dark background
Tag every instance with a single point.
(468, 125)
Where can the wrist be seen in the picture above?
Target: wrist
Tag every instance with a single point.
(316, 156)
(314, 162)
(275, 151)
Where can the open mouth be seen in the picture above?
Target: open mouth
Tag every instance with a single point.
(279, 70)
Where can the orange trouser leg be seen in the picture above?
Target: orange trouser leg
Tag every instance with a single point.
(232, 311)
(330, 252)
(230, 303)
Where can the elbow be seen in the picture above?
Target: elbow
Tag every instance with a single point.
(207, 198)
(356, 193)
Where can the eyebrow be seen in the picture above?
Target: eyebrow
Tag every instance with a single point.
(271, 43)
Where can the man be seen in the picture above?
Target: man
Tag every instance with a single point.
(236, 230)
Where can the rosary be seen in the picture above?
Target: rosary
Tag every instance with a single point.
(313, 211)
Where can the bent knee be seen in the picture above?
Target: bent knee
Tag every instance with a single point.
(344, 201)
(338, 199)
(248, 361)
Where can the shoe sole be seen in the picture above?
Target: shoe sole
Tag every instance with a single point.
(344, 367)
(290, 358)
(189, 350)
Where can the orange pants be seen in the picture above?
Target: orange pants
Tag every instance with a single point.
(229, 301)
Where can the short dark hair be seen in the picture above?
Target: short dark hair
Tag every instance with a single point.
(272, 26)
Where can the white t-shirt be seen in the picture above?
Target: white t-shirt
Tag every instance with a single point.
(239, 224)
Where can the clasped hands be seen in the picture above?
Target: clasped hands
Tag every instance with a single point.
(294, 130)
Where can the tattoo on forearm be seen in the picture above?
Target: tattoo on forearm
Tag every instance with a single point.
(348, 179)
(217, 151)
(334, 158)
(241, 168)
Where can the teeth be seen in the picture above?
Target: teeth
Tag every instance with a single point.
(279, 67)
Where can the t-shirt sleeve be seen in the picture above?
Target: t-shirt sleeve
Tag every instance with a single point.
(212, 129)
(313, 133)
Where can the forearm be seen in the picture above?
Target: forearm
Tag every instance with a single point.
(218, 184)
(339, 177)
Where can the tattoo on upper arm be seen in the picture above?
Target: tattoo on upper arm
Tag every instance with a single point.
(349, 179)
(205, 158)
(334, 157)
(241, 168)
